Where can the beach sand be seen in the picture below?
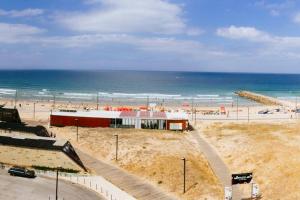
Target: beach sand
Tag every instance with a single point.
(270, 150)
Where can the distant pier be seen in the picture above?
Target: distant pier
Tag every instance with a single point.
(263, 99)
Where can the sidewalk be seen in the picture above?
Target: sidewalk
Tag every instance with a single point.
(131, 184)
(216, 163)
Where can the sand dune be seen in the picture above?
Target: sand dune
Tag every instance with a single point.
(153, 155)
(270, 150)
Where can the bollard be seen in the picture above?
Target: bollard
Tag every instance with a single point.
(96, 187)
(90, 184)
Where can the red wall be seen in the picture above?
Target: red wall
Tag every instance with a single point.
(82, 121)
(184, 123)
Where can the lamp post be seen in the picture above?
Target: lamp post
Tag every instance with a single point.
(34, 110)
(117, 145)
(54, 99)
(97, 101)
(248, 115)
(147, 102)
(16, 96)
(56, 188)
(296, 109)
(184, 173)
(192, 107)
(76, 121)
(237, 107)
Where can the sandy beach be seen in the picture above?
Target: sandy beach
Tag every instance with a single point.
(156, 155)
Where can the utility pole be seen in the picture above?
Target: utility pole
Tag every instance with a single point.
(192, 107)
(237, 107)
(117, 145)
(147, 102)
(16, 96)
(56, 188)
(296, 109)
(76, 120)
(184, 173)
(33, 110)
(248, 115)
(54, 99)
(97, 101)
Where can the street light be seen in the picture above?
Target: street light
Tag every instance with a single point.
(248, 115)
(117, 145)
(76, 120)
(97, 101)
(33, 110)
(56, 188)
(237, 107)
(16, 97)
(184, 173)
(54, 99)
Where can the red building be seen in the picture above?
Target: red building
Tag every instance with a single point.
(122, 119)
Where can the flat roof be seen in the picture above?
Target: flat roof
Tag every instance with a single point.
(95, 114)
(177, 115)
(126, 114)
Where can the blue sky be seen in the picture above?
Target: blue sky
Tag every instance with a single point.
(185, 35)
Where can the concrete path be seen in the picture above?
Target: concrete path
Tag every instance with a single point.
(131, 184)
(40, 188)
(217, 164)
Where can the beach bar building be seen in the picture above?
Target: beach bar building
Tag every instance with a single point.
(121, 119)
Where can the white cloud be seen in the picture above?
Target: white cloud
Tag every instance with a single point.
(243, 32)
(15, 33)
(297, 18)
(29, 12)
(276, 8)
(270, 45)
(129, 16)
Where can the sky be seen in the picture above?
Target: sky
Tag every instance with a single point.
(168, 35)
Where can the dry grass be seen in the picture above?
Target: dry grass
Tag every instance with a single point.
(270, 150)
(153, 155)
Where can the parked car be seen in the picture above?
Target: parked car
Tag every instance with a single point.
(264, 112)
(20, 171)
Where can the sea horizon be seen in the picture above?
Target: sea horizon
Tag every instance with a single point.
(216, 87)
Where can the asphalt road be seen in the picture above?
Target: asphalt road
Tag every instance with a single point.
(40, 188)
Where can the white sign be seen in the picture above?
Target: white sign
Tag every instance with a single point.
(175, 126)
(228, 193)
(255, 190)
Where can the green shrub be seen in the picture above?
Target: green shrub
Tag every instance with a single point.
(44, 168)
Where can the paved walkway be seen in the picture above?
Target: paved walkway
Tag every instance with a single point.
(41, 188)
(131, 184)
(218, 166)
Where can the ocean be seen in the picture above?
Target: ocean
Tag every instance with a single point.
(198, 86)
